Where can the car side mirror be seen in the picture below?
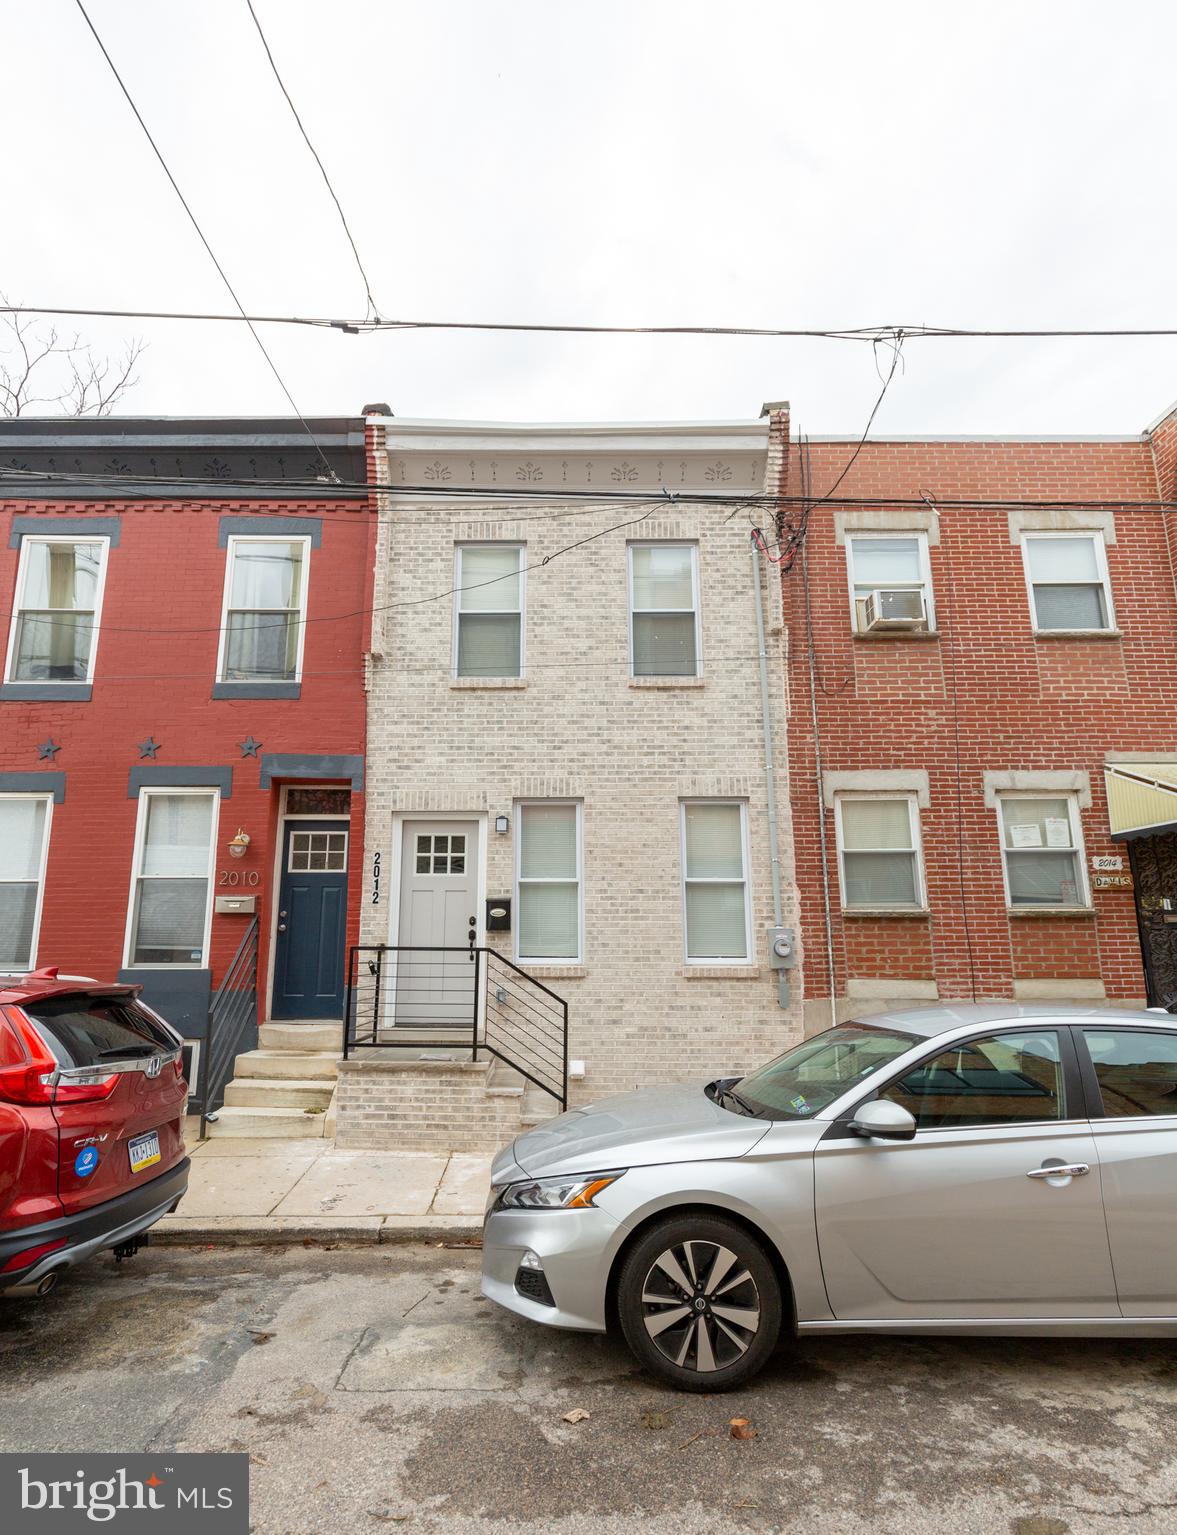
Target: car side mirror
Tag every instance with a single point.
(883, 1120)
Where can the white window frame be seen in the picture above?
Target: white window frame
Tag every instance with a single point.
(917, 847)
(1072, 801)
(18, 605)
(230, 557)
(873, 534)
(666, 543)
(1101, 565)
(732, 961)
(491, 543)
(145, 795)
(42, 864)
(520, 811)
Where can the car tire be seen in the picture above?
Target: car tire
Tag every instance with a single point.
(693, 1330)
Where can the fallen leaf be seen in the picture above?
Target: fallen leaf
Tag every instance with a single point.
(741, 1429)
(577, 1415)
(259, 1334)
(704, 1433)
(656, 1420)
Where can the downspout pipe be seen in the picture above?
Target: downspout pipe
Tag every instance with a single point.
(769, 766)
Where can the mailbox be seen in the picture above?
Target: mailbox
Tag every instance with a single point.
(498, 914)
(238, 905)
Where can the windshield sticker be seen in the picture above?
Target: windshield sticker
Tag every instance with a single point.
(799, 1104)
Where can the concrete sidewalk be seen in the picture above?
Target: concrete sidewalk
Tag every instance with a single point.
(248, 1191)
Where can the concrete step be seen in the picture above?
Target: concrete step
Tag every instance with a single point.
(318, 1034)
(537, 1107)
(303, 1064)
(253, 1124)
(277, 1093)
(504, 1081)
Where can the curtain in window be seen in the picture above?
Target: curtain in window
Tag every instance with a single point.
(265, 605)
(172, 894)
(22, 835)
(56, 627)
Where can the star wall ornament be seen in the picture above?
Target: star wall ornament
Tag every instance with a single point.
(47, 749)
(249, 747)
(149, 747)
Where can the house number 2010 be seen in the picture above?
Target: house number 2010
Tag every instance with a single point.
(239, 877)
(375, 879)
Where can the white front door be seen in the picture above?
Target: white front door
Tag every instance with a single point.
(438, 911)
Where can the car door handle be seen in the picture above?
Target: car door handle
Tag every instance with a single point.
(1061, 1170)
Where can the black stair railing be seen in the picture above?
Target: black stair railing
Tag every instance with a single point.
(232, 1014)
(402, 996)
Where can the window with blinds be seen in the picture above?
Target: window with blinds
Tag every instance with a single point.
(488, 614)
(879, 853)
(664, 610)
(715, 883)
(548, 882)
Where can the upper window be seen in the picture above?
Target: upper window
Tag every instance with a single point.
(890, 581)
(265, 610)
(879, 852)
(1067, 574)
(548, 882)
(55, 618)
(1042, 850)
(1136, 1070)
(488, 617)
(1003, 1079)
(664, 610)
(24, 839)
(715, 882)
(170, 907)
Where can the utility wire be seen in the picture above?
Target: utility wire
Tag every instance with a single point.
(373, 309)
(866, 333)
(203, 239)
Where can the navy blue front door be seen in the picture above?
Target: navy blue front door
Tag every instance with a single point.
(312, 921)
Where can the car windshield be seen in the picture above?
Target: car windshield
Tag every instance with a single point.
(802, 1081)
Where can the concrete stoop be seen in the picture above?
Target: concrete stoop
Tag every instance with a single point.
(438, 1105)
(285, 1087)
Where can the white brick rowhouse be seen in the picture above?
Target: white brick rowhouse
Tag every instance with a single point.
(640, 770)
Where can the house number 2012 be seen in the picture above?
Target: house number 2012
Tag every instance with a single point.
(239, 877)
(375, 879)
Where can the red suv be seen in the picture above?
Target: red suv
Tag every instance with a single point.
(92, 1102)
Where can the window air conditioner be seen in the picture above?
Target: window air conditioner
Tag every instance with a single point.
(893, 608)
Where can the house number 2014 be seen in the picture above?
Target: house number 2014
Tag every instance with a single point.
(375, 879)
(239, 877)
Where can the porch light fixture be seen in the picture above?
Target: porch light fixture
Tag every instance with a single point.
(238, 843)
(502, 824)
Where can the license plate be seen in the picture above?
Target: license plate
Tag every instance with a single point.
(144, 1150)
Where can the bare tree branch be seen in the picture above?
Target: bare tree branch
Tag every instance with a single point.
(79, 383)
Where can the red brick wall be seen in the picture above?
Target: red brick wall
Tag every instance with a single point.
(1015, 701)
(167, 573)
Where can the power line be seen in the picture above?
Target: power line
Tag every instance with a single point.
(866, 333)
(200, 232)
(373, 309)
(164, 484)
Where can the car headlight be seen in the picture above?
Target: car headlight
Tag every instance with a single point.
(575, 1191)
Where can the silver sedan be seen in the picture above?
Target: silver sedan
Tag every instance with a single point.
(975, 1169)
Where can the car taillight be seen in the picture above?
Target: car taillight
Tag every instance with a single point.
(31, 1083)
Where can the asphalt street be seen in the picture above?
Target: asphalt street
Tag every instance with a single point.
(374, 1388)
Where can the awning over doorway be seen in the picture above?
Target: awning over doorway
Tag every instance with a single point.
(1142, 799)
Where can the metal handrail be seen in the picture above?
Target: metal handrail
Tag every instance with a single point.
(232, 1009)
(526, 1027)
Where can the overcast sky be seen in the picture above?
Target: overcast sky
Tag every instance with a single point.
(612, 161)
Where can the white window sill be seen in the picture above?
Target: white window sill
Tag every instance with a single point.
(467, 683)
(1078, 634)
(546, 972)
(896, 634)
(886, 911)
(666, 682)
(720, 972)
(1050, 911)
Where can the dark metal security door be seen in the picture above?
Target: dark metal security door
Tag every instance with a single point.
(1154, 874)
(312, 921)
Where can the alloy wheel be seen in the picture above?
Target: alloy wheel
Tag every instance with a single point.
(700, 1306)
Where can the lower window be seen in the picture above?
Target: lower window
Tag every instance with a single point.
(1043, 851)
(24, 839)
(548, 882)
(715, 884)
(173, 873)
